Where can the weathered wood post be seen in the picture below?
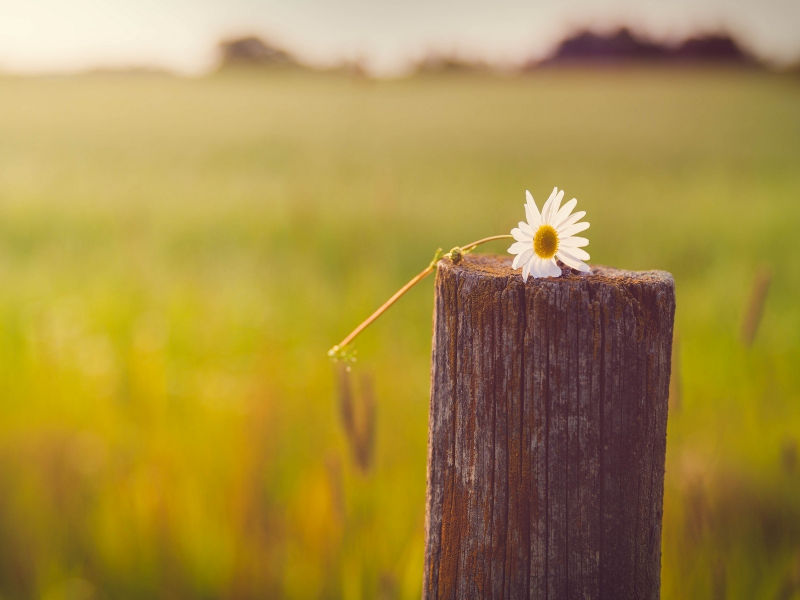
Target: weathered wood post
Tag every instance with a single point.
(547, 433)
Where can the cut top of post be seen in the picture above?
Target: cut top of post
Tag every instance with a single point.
(486, 266)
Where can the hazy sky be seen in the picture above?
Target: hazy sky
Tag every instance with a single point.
(68, 35)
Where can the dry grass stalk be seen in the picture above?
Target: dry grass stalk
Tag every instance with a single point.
(358, 418)
(719, 580)
(333, 468)
(755, 306)
(789, 455)
(697, 514)
(388, 586)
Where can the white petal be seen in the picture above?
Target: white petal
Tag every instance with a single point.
(547, 205)
(551, 268)
(573, 229)
(550, 218)
(526, 269)
(572, 242)
(526, 229)
(573, 262)
(532, 211)
(518, 247)
(521, 258)
(545, 267)
(576, 253)
(562, 214)
(520, 236)
(536, 270)
(571, 219)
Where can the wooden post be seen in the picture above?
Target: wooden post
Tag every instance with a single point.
(547, 433)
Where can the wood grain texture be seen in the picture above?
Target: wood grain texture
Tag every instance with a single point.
(547, 433)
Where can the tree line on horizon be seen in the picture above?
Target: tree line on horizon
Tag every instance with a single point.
(584, 48)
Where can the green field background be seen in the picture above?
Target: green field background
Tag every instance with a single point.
(177, 255)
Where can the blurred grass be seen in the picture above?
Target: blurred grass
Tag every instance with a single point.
(176, 256)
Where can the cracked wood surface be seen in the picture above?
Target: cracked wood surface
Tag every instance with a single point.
(547, 433)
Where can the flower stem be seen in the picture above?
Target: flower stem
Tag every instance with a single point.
(473, 245)
(338, 349)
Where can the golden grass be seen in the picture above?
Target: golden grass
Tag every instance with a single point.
(176, 256)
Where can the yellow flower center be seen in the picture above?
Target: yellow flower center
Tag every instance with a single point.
(545, 242)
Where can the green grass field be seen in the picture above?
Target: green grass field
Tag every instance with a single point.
(176, 256)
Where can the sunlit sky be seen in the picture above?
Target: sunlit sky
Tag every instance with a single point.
(71, 35)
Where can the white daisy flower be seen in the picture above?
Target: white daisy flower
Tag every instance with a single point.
(548, 236)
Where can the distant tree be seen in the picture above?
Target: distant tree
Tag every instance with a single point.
(252, 50)
(623, 46)
(722, 48)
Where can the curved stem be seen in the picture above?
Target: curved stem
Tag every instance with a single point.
(385, 306)
(397, 295)
(472, 246)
